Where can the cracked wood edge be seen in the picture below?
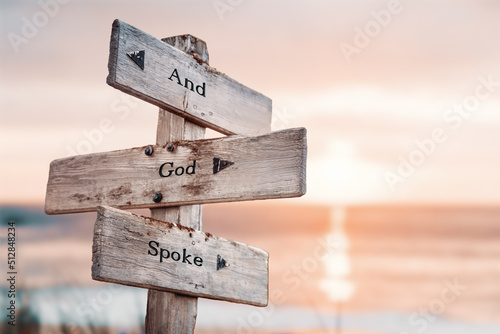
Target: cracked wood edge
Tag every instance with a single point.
(265, 167)
(225, 106)
(127, 250)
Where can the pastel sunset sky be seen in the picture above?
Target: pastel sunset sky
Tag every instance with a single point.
(401, 99)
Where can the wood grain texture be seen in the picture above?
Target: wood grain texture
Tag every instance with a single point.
(191, 45)
(122, 254)
(265, 167)
(167, 312)
(225, 105)
(170, 313)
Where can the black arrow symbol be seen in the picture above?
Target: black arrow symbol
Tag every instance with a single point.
(221, 263)
(138, 57)
(220, 164)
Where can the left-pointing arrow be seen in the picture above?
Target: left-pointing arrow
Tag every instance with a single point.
(138, 57)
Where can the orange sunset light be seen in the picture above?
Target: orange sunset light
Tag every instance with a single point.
(398, 230)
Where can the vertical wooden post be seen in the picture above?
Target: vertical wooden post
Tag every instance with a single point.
(169, 312)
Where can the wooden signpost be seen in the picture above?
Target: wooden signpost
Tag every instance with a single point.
(226, 169)
(177, 82)
(168, 253)
(148, 253)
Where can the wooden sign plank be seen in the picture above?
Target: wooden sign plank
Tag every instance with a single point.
(234, 168)
(156, 72)
(148, 253)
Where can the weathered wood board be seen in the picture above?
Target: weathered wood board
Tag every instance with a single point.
(234, 168)
(147, 253)
(146, 67)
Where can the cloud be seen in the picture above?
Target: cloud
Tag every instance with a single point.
(393, 93)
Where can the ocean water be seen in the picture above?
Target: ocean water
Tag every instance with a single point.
(379, 269)
(108, 306)
(119, 309)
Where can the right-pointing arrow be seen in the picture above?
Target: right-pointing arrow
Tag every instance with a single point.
(221, 263)
(220, 164)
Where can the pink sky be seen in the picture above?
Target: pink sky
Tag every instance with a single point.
(362, 112)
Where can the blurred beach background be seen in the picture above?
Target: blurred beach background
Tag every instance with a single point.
(399, 230)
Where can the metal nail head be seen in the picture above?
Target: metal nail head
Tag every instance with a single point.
(170, 147)
(148, 150)
(157, 198)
